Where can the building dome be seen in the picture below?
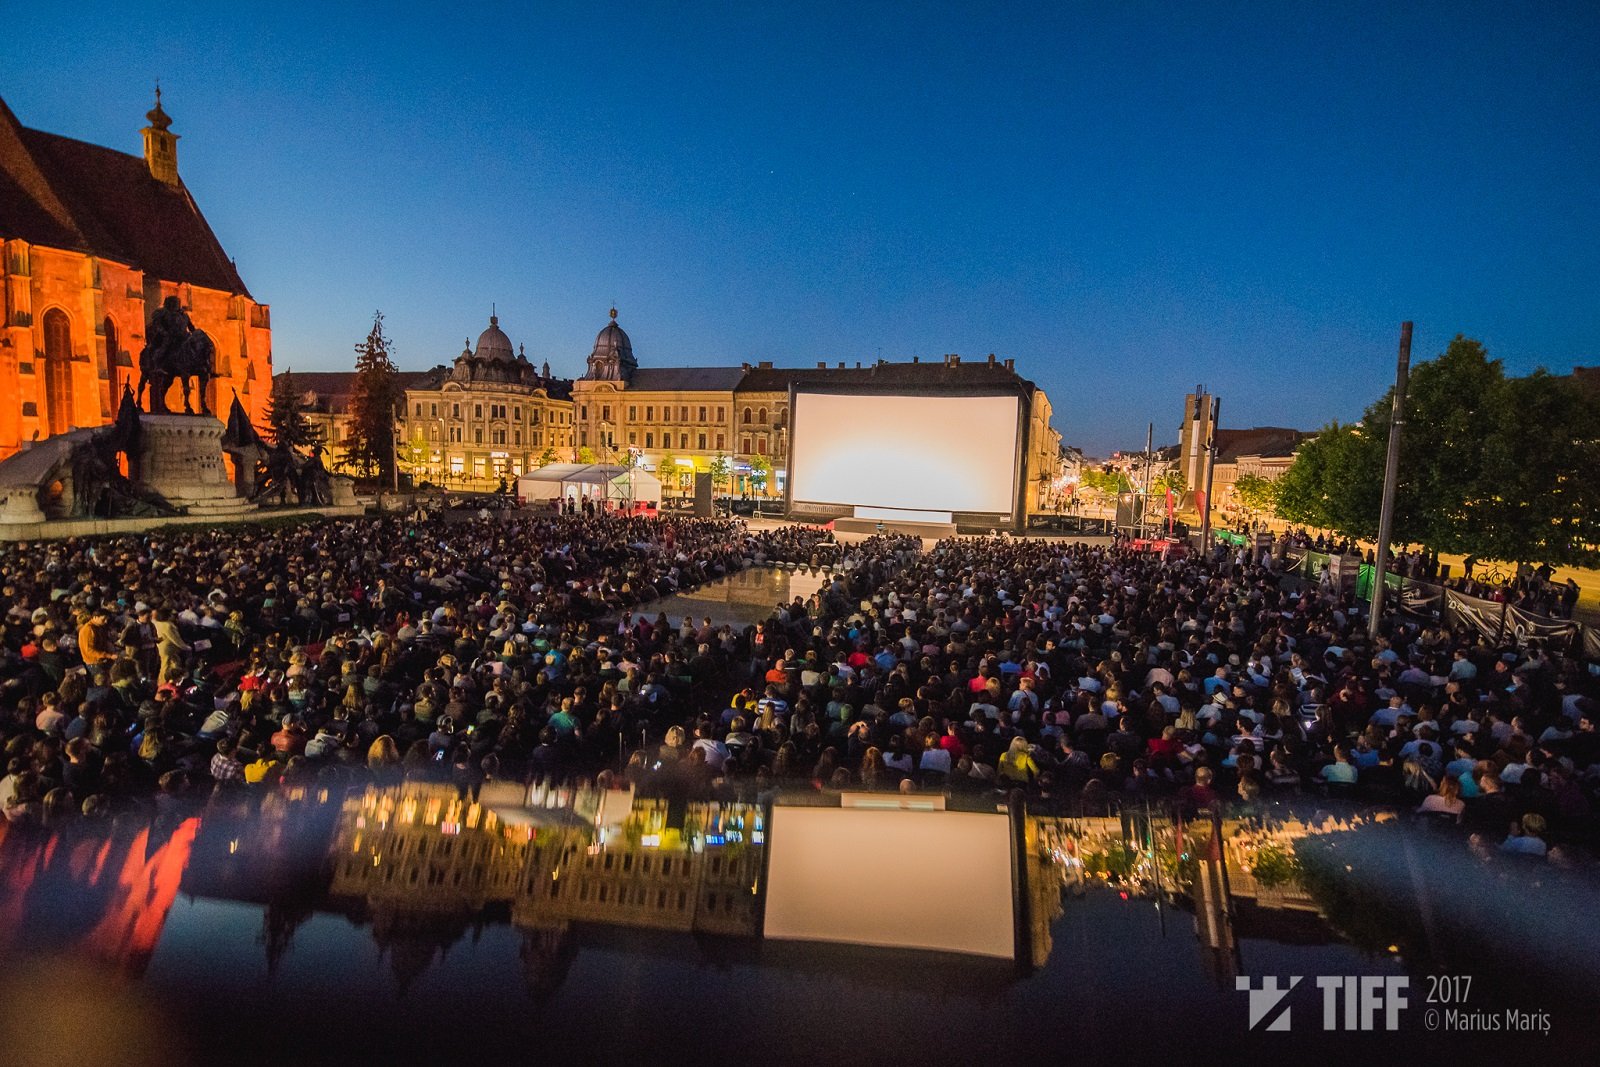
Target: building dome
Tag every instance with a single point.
(612, 358)
(493, 343)
(612, 342)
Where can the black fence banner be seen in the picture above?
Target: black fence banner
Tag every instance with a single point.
(1485, 616)
(1525, 625)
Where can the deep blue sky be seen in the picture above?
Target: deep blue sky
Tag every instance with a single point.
(1127, 198)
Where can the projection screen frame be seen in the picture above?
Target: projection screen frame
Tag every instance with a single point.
(1015, 519)
(1021, 894)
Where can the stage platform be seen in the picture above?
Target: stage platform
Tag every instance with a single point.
(868, 527)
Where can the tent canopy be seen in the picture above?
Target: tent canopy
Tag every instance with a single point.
(580, 473)
(591, 479)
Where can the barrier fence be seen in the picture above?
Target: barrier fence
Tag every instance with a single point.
(1496, 620)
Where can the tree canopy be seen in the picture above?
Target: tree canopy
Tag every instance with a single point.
(1491, 466)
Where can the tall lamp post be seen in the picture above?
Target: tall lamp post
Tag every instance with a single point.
(1391, 472)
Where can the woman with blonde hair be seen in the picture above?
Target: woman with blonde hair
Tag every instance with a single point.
(383, 755)
(1445, 801)
(672, 748)
(1016, 765)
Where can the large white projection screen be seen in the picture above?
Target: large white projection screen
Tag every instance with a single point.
(930, 453)
(938, 880)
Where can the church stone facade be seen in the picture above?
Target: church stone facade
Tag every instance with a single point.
(92, 240)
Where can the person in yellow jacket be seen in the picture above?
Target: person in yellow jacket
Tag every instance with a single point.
(1017, 766)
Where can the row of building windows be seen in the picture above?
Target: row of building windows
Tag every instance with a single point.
(495, 437)
(496, 411)
(666, 413)
(702, 440)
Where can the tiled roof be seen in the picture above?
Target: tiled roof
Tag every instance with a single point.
(885, 374)
(668, 379)
(1260, 441)
(333, 388)
(66, 194)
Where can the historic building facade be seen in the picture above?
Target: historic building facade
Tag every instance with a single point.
(91, 242)
(492, 415)
(676, 420)
(489, 415)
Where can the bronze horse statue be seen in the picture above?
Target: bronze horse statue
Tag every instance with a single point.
(174, 348)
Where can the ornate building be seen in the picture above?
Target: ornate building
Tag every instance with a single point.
(491, 415)
(91, 242)
(678, 419)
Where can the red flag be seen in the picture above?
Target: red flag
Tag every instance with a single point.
(1200, 501)
(1170, 507)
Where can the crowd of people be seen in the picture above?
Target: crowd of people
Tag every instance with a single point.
(521, 647)
(1532, 588)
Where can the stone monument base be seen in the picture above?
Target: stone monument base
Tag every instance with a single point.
(180, 457)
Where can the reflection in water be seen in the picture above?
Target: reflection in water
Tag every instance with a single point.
(418, 894)
(101, 897)
(747, 597)
(425, 865)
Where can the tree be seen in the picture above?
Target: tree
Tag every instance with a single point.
(1538, 500)
(667, 471)
(287, 424)
(1104, 482)
(586, 455)
(1490, 466)
(721, 470)
(547, 457)
(760, 472)
(1173, 480)
(1256, 495)
(372, 407)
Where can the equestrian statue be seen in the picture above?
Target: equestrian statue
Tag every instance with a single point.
(174, 348)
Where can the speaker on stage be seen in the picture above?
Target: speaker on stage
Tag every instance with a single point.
(1130, 510)
(703, 506)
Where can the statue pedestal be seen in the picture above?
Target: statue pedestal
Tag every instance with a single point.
(180, 457)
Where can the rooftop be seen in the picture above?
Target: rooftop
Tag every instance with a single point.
(80, 197)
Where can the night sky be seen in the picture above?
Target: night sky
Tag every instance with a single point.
(1127, 198)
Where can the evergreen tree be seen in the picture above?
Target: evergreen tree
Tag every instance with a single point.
(372, 407)
(286, 416)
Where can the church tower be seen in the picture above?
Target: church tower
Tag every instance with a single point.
(160, 144)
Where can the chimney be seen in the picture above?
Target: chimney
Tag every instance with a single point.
(858, 364)
(746, 366)
(954, 360)
(160, 144)
(765, 364)
(991, 359)
(916, 359)
(841, 364)
(821, 365)
(1011, 365)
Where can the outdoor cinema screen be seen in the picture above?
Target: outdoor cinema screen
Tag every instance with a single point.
(937, 880)
(927, 453)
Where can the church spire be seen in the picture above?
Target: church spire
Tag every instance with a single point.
(160, 144)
